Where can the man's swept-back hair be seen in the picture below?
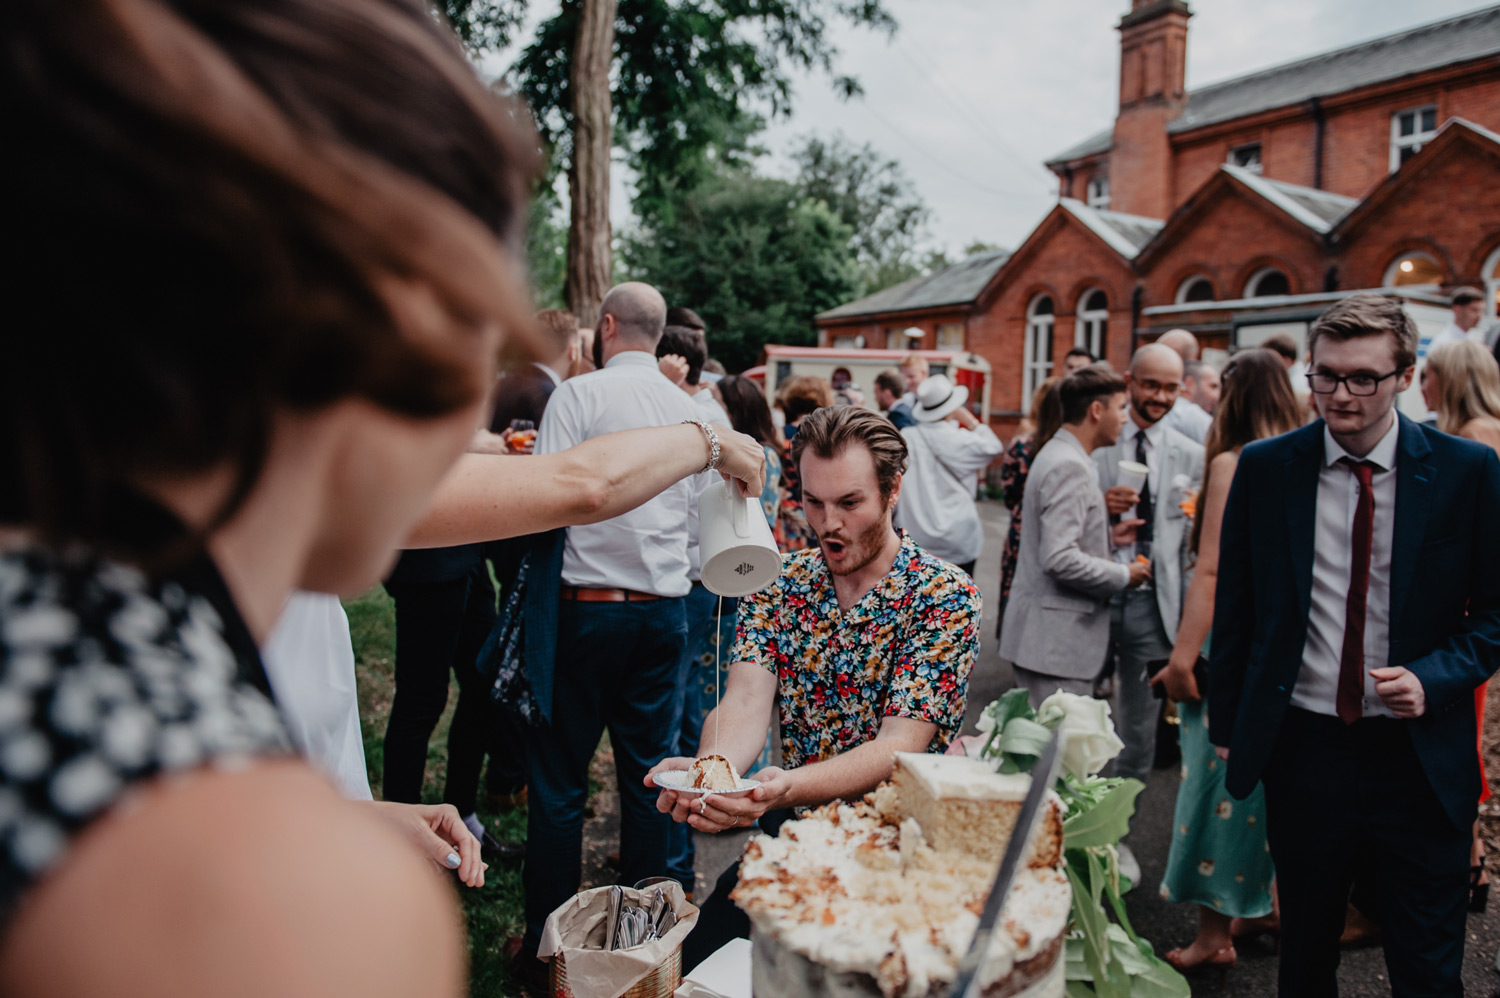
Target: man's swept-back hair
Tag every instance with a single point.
(1368, 314)
(1083, 388)
(234, 209)
(891, 382)
(828, 431)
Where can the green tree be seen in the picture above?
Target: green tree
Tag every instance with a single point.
(754, 256)
(873, 196)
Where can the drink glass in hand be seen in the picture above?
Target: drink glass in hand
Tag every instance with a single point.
(521, 436)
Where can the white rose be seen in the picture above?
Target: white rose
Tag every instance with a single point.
(1088, 735)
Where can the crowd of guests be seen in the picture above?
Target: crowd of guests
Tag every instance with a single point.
(284, 371)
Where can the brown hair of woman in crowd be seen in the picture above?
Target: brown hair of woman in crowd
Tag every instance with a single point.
(1257, 402)
(1046, 413)
(1467, 393)
(746, 405)
(803, 394)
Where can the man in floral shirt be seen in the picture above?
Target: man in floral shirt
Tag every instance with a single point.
(863, 646)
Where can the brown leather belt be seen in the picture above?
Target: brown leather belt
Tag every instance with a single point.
(584, 594)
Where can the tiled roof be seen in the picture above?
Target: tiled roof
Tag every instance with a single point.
(1429, 46)
(1126, 234)
(958, 284)
(1316, 209)
(1090, 146)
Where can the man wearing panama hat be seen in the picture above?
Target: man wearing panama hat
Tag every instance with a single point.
(948, 446)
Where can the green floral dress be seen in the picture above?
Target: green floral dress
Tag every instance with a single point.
(1219, 856)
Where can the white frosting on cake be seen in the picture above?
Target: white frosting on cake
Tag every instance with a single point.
(856, 894)
(961, 778)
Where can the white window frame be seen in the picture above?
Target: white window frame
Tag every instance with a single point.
(1393, 269)
(895, 339)
(1187, 284)
(1491, 274)
(1417, 139)
(1256, 277)
(1037, 365)
(1255, 167)
(946, 339)
(1091, 328)
(849, 342)
(1098, 192)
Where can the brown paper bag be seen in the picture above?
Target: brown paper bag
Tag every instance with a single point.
(575, 934)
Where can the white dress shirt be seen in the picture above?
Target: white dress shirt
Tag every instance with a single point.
(712, 411)
(1188, 418)
(645, 549)
(1452, 334)
(937, 491)
(1333, 553)
(1153, 434)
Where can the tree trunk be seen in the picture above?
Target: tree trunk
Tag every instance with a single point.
(589, 255)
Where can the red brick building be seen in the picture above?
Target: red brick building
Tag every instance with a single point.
(1256, 199)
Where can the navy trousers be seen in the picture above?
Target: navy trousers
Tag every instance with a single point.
(1341, 795)
(616, 668)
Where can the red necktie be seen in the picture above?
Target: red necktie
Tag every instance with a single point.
(1351, 692)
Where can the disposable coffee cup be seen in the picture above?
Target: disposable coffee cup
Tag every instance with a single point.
(1133, 475)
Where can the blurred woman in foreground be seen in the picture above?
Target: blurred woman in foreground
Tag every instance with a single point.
(1218, 859)
(271, 252)
(1461, 383)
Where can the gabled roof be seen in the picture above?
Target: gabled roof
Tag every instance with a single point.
(1316, 211)
(1475, 35)
(958, 284)
(1319, 210)
(1454, 131)
(1430, 46)
(1125, 234)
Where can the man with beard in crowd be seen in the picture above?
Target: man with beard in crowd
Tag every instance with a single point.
(866, 602)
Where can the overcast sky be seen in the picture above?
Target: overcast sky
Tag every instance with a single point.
(972, 95)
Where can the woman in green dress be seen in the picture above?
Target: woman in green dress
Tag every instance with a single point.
(1219, 859)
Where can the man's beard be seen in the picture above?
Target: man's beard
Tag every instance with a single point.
(1141, 411)
(859, 551)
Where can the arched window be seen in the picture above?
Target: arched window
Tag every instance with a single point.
(1492, 285)
(1267, 281)
(1092, 324)
(1414, 267)
(1195, 288)
(1037, 363)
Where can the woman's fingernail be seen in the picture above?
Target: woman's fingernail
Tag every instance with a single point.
(453, 861)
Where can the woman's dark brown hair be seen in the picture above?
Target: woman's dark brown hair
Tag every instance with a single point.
(748, 412)
(802, 395)
(1257, 402)
(230, 208)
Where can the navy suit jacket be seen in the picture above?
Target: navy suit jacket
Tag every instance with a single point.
(1445, 598)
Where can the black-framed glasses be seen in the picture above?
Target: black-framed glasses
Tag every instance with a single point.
(1358, 384)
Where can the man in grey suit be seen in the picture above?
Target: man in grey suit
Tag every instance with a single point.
(1056, 627)
(1143, 622)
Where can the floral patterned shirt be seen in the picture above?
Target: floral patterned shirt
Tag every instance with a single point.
(904, 650)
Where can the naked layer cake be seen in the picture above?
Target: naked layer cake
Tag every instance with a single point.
(882, 897)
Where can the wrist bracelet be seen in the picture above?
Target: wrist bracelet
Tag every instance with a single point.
(715, 453)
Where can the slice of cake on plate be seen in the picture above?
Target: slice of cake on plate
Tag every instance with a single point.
(713, 773)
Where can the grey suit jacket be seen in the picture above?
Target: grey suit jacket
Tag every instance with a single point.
(1181, 468)
(1057, 620)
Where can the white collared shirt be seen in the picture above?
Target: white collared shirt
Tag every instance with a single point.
(1452, 334)
(1188, 418)
(1155, 435)
(937, 491)
(712, 411)
(1333, 555)
(646, 548)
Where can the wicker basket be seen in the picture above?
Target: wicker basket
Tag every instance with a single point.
(660, 983)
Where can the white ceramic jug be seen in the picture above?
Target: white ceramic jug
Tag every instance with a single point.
(739, 555)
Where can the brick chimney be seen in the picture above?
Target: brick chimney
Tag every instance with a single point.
(1153, 58)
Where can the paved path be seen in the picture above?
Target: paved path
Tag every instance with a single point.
(1166, 925)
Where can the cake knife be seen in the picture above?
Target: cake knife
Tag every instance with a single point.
(1043, 775)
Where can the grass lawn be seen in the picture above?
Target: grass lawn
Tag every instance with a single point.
(494, 911)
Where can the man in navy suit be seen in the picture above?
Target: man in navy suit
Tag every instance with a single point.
(1357, 609)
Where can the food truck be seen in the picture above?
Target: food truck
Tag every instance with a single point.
(858, 367)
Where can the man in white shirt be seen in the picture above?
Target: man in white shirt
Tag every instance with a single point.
(1143, 622)
(947, 447)
(1468, 309)
(1200, 385)
(621, 627)
(1356, 611)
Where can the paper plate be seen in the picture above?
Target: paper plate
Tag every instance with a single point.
(678, 780)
